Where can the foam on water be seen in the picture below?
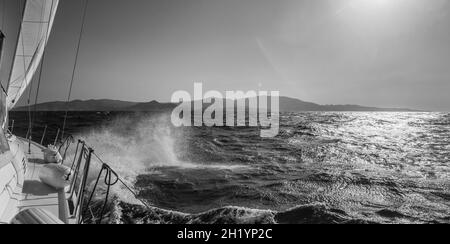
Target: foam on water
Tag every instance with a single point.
(135, 146)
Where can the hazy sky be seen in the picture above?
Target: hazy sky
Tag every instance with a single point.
(387, 53)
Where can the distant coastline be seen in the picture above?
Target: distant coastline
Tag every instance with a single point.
(286, 105)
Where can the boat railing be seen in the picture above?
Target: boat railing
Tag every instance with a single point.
(79, 174)
(85, 206)
(84, 184)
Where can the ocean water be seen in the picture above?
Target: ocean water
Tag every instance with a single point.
(322, 168)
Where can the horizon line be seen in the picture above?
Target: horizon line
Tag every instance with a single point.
(163, 102)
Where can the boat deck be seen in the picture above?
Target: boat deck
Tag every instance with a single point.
(35, 193)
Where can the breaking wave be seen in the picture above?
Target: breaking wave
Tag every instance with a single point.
(124, 213)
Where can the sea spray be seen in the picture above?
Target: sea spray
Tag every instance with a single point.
(131, 145)
(142, 144)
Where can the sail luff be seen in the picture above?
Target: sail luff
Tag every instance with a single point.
(35, 30)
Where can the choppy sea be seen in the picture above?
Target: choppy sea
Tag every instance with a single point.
(322, 168)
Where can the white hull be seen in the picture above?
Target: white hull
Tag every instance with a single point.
(13, 166)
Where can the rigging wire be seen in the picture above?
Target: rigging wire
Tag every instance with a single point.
(41, 68)
(24, 73)
(30, 117)
(80, 38)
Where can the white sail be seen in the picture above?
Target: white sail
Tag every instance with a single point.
(36, 26)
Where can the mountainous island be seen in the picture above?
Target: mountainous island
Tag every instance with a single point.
(286, 105)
